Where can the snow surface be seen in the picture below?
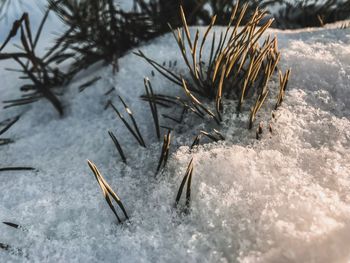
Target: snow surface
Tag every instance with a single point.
(284, 198)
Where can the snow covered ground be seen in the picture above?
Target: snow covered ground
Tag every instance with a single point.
(284, 198)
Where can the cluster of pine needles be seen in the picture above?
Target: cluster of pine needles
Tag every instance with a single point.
(131, 125)
(95, 31)
(162, 12)
(290, 14)
(311, 13)
(40, 71)
(100, 31)
(239, 67)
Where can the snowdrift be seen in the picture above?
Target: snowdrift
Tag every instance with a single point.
(283, 198)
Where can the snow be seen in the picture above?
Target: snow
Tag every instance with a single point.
(13, 11)
(284, 198)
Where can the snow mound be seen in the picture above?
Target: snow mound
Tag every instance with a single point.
(284, 198)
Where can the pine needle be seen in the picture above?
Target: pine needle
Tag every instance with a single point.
(165, 151)
(108, 193)
(118, 146)
(153, 105)
(135, 130)
(19, 168)
(187, 179)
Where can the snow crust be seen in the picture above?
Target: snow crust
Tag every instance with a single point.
(284, 198)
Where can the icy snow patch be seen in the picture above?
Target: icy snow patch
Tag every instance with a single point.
(284, 198)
